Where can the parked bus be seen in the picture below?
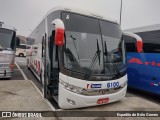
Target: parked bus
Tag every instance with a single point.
(144, 68)
(79, 58)
(7, 50)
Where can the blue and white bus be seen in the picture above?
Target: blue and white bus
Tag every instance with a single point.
(144, 68)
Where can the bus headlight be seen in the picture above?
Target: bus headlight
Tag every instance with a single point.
(72, 88)
(124, 84)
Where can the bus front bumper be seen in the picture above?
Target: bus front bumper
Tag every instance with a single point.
(86, 101)
(6, 73)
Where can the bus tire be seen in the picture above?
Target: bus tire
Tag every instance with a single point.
(21, 55)
(28, 67)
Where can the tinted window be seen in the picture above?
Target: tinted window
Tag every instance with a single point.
(113, 47)
(151, 48)
(77, 23)
(7, 39)
(130, 43)
(82, 38)
(151, 40)
(22, 46)
(28, 47)
(111, 29)
(30, 41)
(83, 49)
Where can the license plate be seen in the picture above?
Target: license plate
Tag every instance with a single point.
(102, 100)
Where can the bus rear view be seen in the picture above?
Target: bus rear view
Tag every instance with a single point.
(7, 50)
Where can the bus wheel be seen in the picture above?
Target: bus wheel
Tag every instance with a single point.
(28, 67)
(21, 55)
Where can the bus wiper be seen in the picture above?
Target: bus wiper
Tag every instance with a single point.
(108, 55)
(93, 62)
(75, 45)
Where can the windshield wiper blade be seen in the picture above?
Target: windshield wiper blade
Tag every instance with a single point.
(75, 45)
(98, 52)
(93, 62)
(108, 55)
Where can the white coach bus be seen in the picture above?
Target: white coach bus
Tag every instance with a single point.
(21, 50)
(7, 50)
(79, 58)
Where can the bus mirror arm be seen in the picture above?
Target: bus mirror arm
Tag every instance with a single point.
(139, 41)
(59, 32)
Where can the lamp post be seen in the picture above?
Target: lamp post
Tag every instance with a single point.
(120, 21)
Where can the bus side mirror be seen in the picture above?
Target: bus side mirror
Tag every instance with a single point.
(59, 32)
(17, 41)
(139, 45)
(139, 42)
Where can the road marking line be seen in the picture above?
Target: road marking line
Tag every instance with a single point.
(49, 104)
(24, 76)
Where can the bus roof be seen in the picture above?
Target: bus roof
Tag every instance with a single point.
(144, 28)
(4, 26)
(74, 10)
(80, 11)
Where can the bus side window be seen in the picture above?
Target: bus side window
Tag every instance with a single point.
(151, 40)
(130, 44)
(22, 46)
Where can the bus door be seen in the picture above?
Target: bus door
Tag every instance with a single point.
(44, 72)
(53, 68)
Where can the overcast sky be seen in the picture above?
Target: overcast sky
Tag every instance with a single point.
(26, 14)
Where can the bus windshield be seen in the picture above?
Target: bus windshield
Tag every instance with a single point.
(7, 39)
(92, 45)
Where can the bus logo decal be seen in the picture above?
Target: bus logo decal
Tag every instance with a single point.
(138, 61)
(96, 85)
